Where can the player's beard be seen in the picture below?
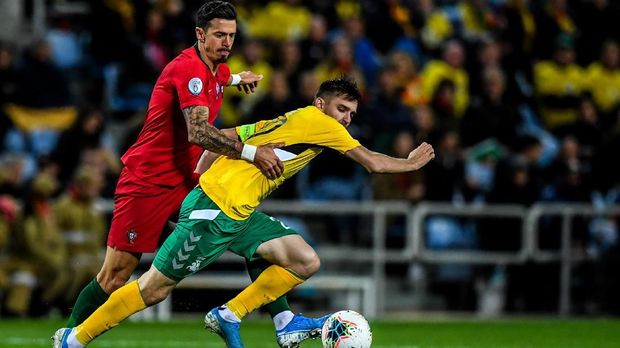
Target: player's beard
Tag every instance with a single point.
(222, 58)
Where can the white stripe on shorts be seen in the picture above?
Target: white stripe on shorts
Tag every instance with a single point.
(204, 214)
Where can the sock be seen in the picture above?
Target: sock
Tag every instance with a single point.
(90, 298)
(255, 268)
(274, 282)
(228, 315)
(282, 319)
(72, 341)
(121, 304)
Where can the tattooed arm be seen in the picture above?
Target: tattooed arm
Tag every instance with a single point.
(203, 134)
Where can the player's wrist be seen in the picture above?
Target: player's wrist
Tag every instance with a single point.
(235, 79)
(248, 152)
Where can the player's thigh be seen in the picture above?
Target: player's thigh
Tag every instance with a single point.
(201, 235)
(266, 237)
(139, 217)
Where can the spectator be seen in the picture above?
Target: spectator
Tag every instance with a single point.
(83, 229)
(315, 47)
(84, 134)
(276, 102)
(442, 104)
(385, 113)
(12, 175)
(8, 80)
(9, 213)
(491, 115)
(281, 21)
(518, 178)
(289, 62)
(568, 175)
(604, 81)
(339, 62)
(445, 174)
(553, 19)
(518, 33)
(39, 255)
(559, 84)
(587, 130)
(252, 59)
(596, 21)
(404, 186)
(364, 53)
(408, 79)
(42, 98)
(450, 68)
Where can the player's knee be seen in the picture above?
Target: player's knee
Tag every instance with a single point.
(308, 263)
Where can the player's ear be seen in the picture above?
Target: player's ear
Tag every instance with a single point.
(319, 103)
(200, 34)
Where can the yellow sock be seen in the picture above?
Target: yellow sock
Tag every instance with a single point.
(121, 304)
(274, 282)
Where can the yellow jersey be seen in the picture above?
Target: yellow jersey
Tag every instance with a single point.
(238, 187)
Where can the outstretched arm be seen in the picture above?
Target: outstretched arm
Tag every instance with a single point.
(376, 162)
(205, 135)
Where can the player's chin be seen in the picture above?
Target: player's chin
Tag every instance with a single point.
(223, 57)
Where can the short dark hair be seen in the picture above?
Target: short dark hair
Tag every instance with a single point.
(341, 87)
(214, 9)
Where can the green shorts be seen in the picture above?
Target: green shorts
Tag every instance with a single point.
(204, 232)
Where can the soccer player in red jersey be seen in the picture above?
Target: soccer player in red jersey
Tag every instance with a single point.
(159, 168)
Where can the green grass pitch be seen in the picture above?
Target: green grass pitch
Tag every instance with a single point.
(505, 333)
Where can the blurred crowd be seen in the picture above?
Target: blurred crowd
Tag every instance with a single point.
(519, 98)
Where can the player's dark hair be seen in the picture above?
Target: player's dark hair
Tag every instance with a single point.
(340, 87)
(214, 9)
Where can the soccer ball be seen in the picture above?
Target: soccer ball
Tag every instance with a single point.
(346, 329)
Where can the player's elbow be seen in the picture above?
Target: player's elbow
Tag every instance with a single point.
(192, 139)
(376, 167)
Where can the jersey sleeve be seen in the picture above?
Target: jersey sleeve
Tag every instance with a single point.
(327, 132)
(248, 131)
(224, 72)
(189, 81)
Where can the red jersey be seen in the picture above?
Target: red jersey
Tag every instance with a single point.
(162, 155)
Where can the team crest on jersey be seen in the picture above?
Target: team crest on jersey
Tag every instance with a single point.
(132, 235)
(219, 90)
(195, 86)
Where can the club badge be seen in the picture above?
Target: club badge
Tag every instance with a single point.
(195, 86)
(132, 235)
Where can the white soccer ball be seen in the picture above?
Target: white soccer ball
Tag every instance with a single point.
(346, 329)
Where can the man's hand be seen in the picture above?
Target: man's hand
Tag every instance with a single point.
(421, 155)
(249, 81)
(267, 161)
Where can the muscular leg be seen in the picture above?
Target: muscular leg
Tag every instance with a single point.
(151, 288)
(255, 268)
(291, 252)
(293, 261)
(116, 270)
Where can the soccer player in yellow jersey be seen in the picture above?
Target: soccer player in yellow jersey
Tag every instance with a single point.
(220, 214)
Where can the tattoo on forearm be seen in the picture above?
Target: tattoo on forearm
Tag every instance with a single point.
(205, 135)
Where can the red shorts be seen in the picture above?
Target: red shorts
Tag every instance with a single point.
(141, 210)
